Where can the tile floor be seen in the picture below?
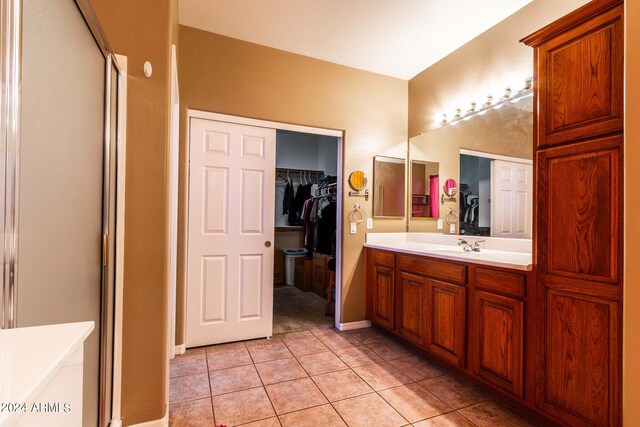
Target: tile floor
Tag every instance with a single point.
(322, 377)
(295, 310)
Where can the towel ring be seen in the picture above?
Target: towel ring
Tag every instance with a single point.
(452, 216)
(357, 210)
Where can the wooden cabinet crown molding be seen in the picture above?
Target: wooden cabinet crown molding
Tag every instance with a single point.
(575, 18)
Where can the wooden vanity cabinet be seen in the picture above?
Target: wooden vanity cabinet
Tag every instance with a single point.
(468, 315)
(446, 321)
(381, 288)
(578, 233)
(411, 313)
(499, 341)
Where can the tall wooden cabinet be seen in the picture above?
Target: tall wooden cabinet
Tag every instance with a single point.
(578, 125)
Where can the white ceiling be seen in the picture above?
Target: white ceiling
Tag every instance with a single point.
(398, 38)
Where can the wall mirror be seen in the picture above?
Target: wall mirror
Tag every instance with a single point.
(388, 187)
(357, 180)
(425, 189)
(485, 155)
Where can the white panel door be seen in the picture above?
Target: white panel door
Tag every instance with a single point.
(231, 230)
(511, 199)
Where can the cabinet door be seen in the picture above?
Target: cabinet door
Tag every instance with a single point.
(583, 72)
(383, 296)
(579, 274)
(412, 310)
(580, 359)
(579, 209)
(499, 332)
(446, 321)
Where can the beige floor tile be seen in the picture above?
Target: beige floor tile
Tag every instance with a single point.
(341, 385)
(242, 407)
(192, 362)
(295, 395)
(357, 356)
(323, 415)
(302, 346)
(269, 422)
(367, 335)
(277, 371)
(491, 413)
(382, 375)
(320, 363)
(414, 402)
(390, 350)
(417, 368)
(233, 379)
(319, 332)
(294, 336)
(453, 391)
(188, 387)
(452, 419)
(367, 411)
(265, 351)
(338, 341)
(227, 356)
(194, 413)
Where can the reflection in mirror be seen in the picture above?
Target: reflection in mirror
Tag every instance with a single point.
(388, 187)
(450, 187)
(496, 194)
(357, 180)
(425, 187)
(506, 132)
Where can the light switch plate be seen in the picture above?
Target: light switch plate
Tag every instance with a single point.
(369, 223)
(353, 228)
(452, 228)
(440, 224)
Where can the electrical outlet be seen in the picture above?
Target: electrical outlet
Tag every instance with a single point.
(440, 224)
(452, 228)
(353, 228)
(369, 223)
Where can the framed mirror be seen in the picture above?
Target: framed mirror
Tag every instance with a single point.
(425, 189)
(357, 180)
(389, 187)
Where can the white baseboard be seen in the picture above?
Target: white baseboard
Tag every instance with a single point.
(355, 325)
(115, 423)
(181, 349)
(162, 422)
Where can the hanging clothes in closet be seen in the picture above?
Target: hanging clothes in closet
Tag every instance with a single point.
(319, 217)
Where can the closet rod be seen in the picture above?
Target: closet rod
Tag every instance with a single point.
(298, 170)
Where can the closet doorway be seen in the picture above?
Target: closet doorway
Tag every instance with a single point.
(306, 207)
(230, 287)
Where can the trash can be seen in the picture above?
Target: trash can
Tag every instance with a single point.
(290, 255)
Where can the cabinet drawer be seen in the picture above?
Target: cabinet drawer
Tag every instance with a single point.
(384, 258)
(500, 281)
(451, 272)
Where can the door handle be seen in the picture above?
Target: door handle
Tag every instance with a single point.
(267, 244)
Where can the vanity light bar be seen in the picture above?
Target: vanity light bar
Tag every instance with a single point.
(508, 96)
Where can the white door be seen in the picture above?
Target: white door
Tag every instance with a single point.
(231, 230)
(511, 199)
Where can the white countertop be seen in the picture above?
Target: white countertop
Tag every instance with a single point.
(496, 252)
(30, 357)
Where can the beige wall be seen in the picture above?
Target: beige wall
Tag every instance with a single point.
(229, 76)
(141, 30)
(631, 310)
(486, 65)
(507, 131)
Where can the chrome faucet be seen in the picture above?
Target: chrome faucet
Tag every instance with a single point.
(470, 247)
